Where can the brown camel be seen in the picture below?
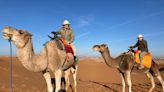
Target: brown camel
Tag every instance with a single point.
(125, 64)
(51, 58)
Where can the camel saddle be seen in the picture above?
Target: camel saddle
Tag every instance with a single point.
(147, 59)
(67, 46)
(64, 45)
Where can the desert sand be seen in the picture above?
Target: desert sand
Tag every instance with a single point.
(93, 76)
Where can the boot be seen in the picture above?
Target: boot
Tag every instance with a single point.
(75, 62)
(75, 58)
(141, 66)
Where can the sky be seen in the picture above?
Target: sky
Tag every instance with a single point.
(116, 23)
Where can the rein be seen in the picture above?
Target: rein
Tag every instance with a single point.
(11, 79)
(11, 60)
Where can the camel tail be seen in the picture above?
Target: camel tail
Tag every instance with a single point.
(154, 70)
(155, 65)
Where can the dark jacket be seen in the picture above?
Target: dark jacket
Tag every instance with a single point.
(142, 45)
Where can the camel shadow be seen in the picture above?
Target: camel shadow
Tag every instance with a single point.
(113, 90)
(63, 84)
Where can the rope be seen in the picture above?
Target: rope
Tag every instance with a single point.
(11, 79)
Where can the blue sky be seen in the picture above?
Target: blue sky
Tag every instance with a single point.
(114, 22)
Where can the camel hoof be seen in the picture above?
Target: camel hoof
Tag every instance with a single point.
(62, 90)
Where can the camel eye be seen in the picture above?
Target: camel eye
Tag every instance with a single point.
(21, 32)
(98, 46)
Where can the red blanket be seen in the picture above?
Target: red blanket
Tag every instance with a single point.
(67, 46)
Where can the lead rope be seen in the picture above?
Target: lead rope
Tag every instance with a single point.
(11, 79)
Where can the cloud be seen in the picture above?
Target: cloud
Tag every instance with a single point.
(84, 21)
(83, 35)
(137, 19)
(154, 34)
(134, 37)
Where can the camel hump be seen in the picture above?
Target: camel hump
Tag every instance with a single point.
(61, 44)
(50, 43)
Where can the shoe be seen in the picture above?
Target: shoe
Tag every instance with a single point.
(146, 71)
(141, 67)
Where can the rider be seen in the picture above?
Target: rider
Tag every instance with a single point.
(67, 32)
(142, 47)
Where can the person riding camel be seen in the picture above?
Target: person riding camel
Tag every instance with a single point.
(142, 47)
(67, 34)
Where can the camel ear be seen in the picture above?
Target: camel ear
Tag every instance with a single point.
(104, 45)
(30, 34)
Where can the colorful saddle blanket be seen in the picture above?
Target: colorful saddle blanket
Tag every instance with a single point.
(67, 46)
(147, 59)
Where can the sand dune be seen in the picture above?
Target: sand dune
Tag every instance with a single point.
(93, 76)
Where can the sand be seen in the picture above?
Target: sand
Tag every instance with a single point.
(93, 76)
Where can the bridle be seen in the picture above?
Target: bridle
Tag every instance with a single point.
(11, 79)
(10, 40)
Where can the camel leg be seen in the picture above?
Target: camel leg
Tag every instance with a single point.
(161, 81)
(67, 74)
(48, 81)
(150, 76)
(123, 81)
(58, 76)
(74, 73)
(129, 81)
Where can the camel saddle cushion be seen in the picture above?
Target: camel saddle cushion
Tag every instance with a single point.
(147, 59)
(67, 46)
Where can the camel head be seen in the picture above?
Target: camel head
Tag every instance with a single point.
(100, 48)
(18, 37)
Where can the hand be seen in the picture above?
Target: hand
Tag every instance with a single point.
(139, 51)
(68, 43)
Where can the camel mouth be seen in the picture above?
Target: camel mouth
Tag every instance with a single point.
(95, 48)
(6, 35)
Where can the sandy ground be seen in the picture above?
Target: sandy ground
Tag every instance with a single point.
(93, 76)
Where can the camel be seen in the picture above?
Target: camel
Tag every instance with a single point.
(50, 59)
(125, 64)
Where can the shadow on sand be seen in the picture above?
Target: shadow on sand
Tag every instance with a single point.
(104, 86)
(101, 84)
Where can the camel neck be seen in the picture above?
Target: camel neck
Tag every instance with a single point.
(110, 61)
(27, 51)
(28, 58)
